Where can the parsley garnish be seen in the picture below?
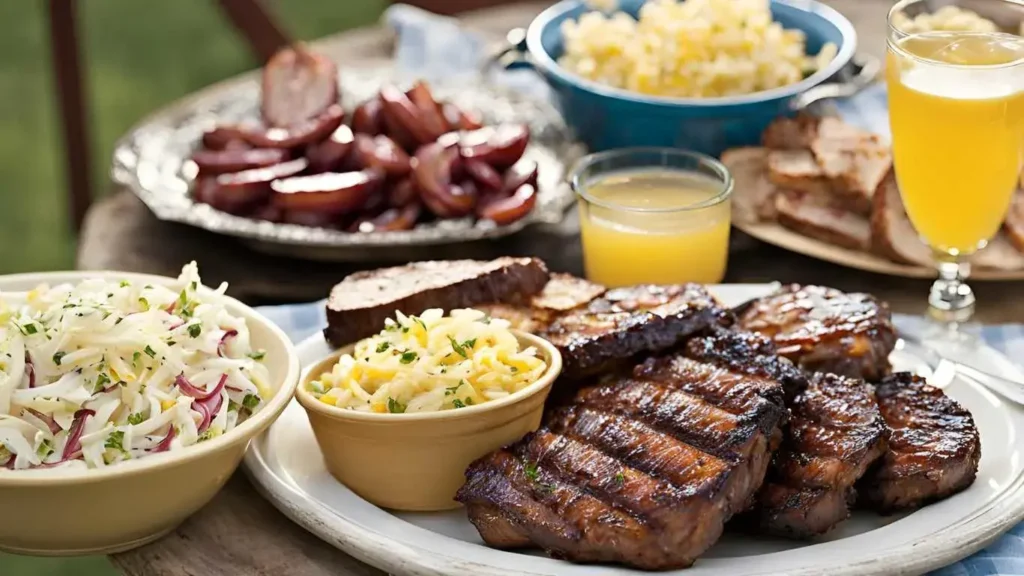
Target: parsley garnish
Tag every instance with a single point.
(620, 478)
(145, 303)
(136, 419)
(45, 449)
(408, 357)
(232, 406)
(453, 389)
(469, 343)
(149, 352)
(530, 469)
(458, 403)
(383, 346)
(58, 356)
(394, 406)
(101, 381)
(29, 328)
(514, 369)
(115, 440)
(251, 401)
(258, 355)
(135, 358)
(457, 347)
(194, 285)
(194, 330)
(125, 283)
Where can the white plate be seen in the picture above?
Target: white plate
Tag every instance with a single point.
(287, 468)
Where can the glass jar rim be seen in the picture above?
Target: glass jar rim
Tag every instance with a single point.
(720, 172)
(899, 34)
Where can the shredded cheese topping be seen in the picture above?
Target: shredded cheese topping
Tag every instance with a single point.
(429, 363)
(101, 372)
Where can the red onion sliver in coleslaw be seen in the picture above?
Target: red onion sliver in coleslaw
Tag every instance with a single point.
(103, 371)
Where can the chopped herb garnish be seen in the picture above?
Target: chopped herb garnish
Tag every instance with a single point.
(394, 406)
(29, 328)
(620, 478)
(469, 343)
(102, 381)
(171, 342)
(115, 440)
(58, 356)
(382, 347)
(183, 297)
(457, 347)
(408, 357)
(453, 389)
(135, 358)
(149, 352)
(258, 355)
(420, 322)
(194, 285)
(233, 406)
(530, 469)
(125, 283)
(194, 330)
(405, 329)
(469, 401)
(390, 326)
(458, 403)
(45, 449)
(514, 369)
(251, 401)
(145, 303)
(136, 419)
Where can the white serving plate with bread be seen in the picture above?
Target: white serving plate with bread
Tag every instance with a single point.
(288, 469)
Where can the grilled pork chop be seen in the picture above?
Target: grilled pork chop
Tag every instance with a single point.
(934, 447)
(562, 293)
(835, 432)
(642, 470)
(362, 301)
(824, 330)
(627, 321)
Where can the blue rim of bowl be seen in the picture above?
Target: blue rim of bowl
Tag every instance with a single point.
(548, 64)
(723, 173)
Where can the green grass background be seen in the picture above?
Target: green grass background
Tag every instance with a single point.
(139, 55)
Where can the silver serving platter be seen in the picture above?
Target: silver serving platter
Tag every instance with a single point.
(153, 161)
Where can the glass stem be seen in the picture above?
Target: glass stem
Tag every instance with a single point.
(951, 300)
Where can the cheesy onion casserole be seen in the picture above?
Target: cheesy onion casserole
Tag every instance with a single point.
(429, 363)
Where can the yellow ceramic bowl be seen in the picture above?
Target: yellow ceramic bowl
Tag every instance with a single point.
(58, 513)
(417, 462)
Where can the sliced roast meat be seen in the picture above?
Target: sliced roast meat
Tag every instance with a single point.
(791, 133)
(753, 197)
(1014, 224)
(819, 217)
(892, 234)
(562, 293)
(934, 446)
(999, 254)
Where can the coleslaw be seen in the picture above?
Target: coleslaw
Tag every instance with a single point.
(102, 372)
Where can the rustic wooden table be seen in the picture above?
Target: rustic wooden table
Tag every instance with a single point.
(239, 533)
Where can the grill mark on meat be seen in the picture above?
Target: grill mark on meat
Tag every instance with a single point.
(754, 398)
(934, 446)
(609, 456)
(562, 293)
(747, 353)
(835, 433)
(643, 448)
(628, 321)
(824, 330)
(685, 416)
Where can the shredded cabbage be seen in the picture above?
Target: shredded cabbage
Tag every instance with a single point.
(101, 372)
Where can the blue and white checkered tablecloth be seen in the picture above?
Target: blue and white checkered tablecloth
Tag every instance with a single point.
(435, 48)
(1003, 558)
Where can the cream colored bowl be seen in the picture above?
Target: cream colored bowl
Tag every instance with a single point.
(73, 512)
(417, 462)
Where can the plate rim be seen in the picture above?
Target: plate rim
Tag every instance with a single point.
(781, 237)
(936, 550)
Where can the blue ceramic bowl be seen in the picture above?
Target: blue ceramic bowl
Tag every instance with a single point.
(605, 117)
